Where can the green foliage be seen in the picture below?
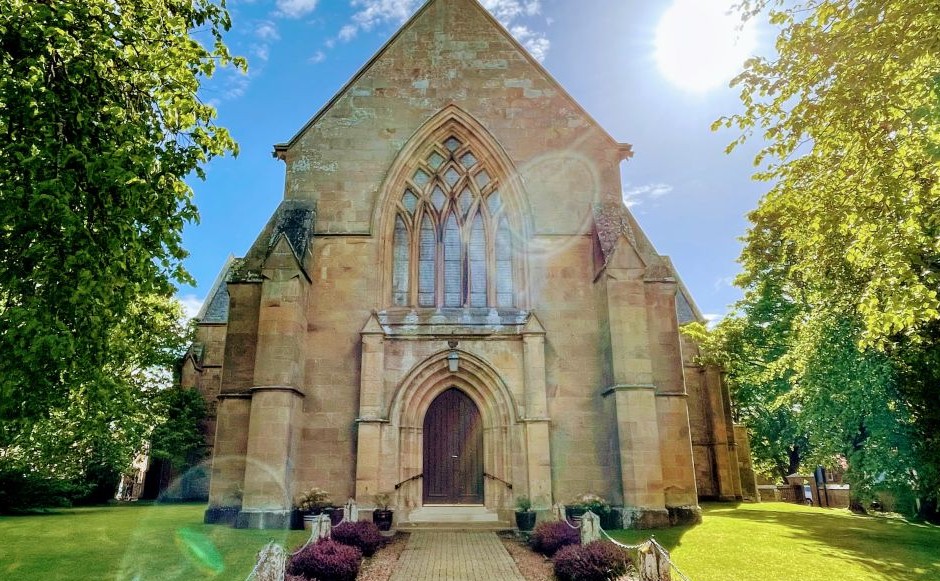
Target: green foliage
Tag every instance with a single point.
(180, 435)
(850, 111)
(101, 124)
(837, 334)
(101, 427)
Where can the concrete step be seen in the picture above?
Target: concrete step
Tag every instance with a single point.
(453, 517)
(496, 526)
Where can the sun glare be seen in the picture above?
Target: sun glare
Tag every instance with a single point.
(699, 46)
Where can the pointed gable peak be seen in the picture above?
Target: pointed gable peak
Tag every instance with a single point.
(443, 17)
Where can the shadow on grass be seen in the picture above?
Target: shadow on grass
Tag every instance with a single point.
(898, 549)
(902, 550)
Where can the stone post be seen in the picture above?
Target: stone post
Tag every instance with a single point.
(590, 528)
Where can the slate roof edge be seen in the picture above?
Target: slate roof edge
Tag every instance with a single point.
(220, 279)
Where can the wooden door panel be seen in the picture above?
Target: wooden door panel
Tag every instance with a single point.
(453, 450)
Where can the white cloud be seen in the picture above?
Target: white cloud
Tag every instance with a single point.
(235, 85)
(295, 8)
(636, 195)
(347, 32)
(534, 42)
(191, 305)
(317, 58)
(508, 10)
(267, 30)
(262, 51)
(371, 13)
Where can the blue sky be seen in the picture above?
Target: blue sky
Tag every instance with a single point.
(688, 195)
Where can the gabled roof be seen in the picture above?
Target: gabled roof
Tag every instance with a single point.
(625, 148)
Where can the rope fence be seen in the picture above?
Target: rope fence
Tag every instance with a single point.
(650, 559)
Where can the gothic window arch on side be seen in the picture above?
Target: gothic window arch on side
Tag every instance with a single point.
(451, 243)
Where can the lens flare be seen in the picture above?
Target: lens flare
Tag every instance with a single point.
(200, 551)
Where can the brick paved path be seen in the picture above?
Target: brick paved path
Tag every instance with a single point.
(474, 556)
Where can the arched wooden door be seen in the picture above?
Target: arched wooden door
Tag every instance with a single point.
(453, 450)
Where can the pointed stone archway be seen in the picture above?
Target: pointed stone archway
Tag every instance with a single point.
(485, 390)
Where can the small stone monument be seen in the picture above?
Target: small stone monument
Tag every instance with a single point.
(351, 511)
(653, 563)
(590, 528)
(321, 527)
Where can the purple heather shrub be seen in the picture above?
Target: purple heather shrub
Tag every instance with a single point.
(326, 560)
(363, 535)
(597, 561)
(550, 536)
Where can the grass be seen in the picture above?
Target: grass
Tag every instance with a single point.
(749, 542)
(776, 541)
(130, 542)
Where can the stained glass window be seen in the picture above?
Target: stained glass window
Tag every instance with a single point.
(460, 240)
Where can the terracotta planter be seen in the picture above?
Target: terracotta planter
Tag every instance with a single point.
(525, 521)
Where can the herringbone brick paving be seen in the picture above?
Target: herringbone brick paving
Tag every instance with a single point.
(458, 556)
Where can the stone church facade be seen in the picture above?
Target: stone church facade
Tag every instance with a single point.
(453, 304)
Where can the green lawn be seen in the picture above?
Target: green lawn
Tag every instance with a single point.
(130, 542)
(752, 542)
(775, 541)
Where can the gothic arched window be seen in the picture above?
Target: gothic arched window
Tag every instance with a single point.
(451, 244)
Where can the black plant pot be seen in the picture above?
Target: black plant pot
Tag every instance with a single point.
(574, 513)
(382, 519)
(525, 520)
(335, 514)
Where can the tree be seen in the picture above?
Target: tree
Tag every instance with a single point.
(850, 112)
(101, 123)
(87, 443)
(180, 436)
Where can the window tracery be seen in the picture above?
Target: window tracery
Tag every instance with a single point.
(451, 242)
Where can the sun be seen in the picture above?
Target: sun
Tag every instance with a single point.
(699, 45)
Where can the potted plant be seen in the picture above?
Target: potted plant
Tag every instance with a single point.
(382, 515)
(575, 509)
(315, 501)
(525, 516)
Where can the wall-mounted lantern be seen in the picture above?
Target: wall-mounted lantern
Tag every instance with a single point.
(453, 359)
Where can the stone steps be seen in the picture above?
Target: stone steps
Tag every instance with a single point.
(453, 518)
